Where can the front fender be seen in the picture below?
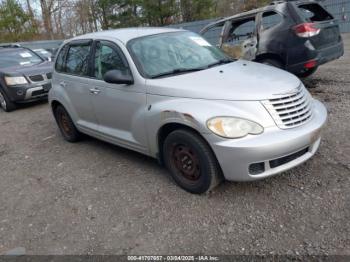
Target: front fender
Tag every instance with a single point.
(195, 113)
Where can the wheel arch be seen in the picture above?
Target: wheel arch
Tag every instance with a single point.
(277, 57)
(54, 104)
(166, 129)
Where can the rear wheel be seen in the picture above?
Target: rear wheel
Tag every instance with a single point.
(5, 103)
(271, 62)
(191, 162)
(307, 73)
(66, 125)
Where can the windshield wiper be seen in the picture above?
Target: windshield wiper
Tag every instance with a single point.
(221, 62)
(177, 71)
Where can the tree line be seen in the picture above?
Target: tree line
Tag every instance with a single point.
(26, 20)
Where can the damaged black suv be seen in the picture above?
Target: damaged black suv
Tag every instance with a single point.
(24, 76)
(297, 36)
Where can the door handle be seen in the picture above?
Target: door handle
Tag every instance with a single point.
(95, 91)
(63, 84)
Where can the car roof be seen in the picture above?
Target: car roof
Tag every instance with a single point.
(7, 49)
(126, 34)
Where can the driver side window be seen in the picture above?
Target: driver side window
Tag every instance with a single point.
(108, 58)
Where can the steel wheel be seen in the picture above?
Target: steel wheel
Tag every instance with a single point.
(186, 162)
(64, 120)
(191, 161)
(66, 125)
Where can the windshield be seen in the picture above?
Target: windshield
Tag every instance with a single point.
(173, 53)
(43, 52)
(18, 57)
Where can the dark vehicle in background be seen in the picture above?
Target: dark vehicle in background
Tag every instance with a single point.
(297, 36)
(24, 76)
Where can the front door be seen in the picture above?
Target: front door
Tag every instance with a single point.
(119, 108)
(239, 38)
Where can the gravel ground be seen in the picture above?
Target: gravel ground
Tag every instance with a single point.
(95, 198)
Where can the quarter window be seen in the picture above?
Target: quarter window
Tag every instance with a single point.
(108, 58)
(78, 60)
(270, 19)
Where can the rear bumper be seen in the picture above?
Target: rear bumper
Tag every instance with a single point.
(28, 93)
(274, 151)
(321, 56)
(331, 53)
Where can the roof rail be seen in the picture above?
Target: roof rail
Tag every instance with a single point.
(10, 45)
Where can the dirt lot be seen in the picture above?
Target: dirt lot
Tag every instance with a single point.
(94, 198)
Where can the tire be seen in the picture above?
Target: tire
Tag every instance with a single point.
(66, 125)
(307, 73)
(191, 162)
(272, 62)
(5, 103)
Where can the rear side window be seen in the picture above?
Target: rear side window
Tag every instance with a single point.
(77, 60)
(241, 30)
(270, 19)
(213, 34)
(314, 13)
(59, 66)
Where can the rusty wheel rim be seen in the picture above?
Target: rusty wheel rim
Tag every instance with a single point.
(186, 162)
(65, 123)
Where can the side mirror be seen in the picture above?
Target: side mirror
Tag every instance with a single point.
(118, 77)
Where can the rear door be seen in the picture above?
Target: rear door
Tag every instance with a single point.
(73, 78)
(329, 27)
(240, 38)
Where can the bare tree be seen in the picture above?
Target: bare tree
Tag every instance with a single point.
(47, 11)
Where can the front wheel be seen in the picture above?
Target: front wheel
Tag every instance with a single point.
(272, 62)
(5, 103)
(191, 162)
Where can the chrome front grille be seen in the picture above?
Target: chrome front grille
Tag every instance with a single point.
(290, 110)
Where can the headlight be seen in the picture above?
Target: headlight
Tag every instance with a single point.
(231, 127)
(15, 80)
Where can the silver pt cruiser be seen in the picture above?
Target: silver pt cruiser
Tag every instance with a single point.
(172, 95)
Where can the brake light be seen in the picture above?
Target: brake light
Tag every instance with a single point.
(310, 64)
(306, 30)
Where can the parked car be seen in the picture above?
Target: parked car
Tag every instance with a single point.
(169, 94)
(24, 76)
(47, 55)
(297, 36)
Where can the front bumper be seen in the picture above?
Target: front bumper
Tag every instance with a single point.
(271, 150)
(27, 93)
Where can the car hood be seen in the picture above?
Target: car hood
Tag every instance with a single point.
(37, 69)
(237, 81)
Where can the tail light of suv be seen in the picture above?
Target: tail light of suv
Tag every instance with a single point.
(306, 30)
